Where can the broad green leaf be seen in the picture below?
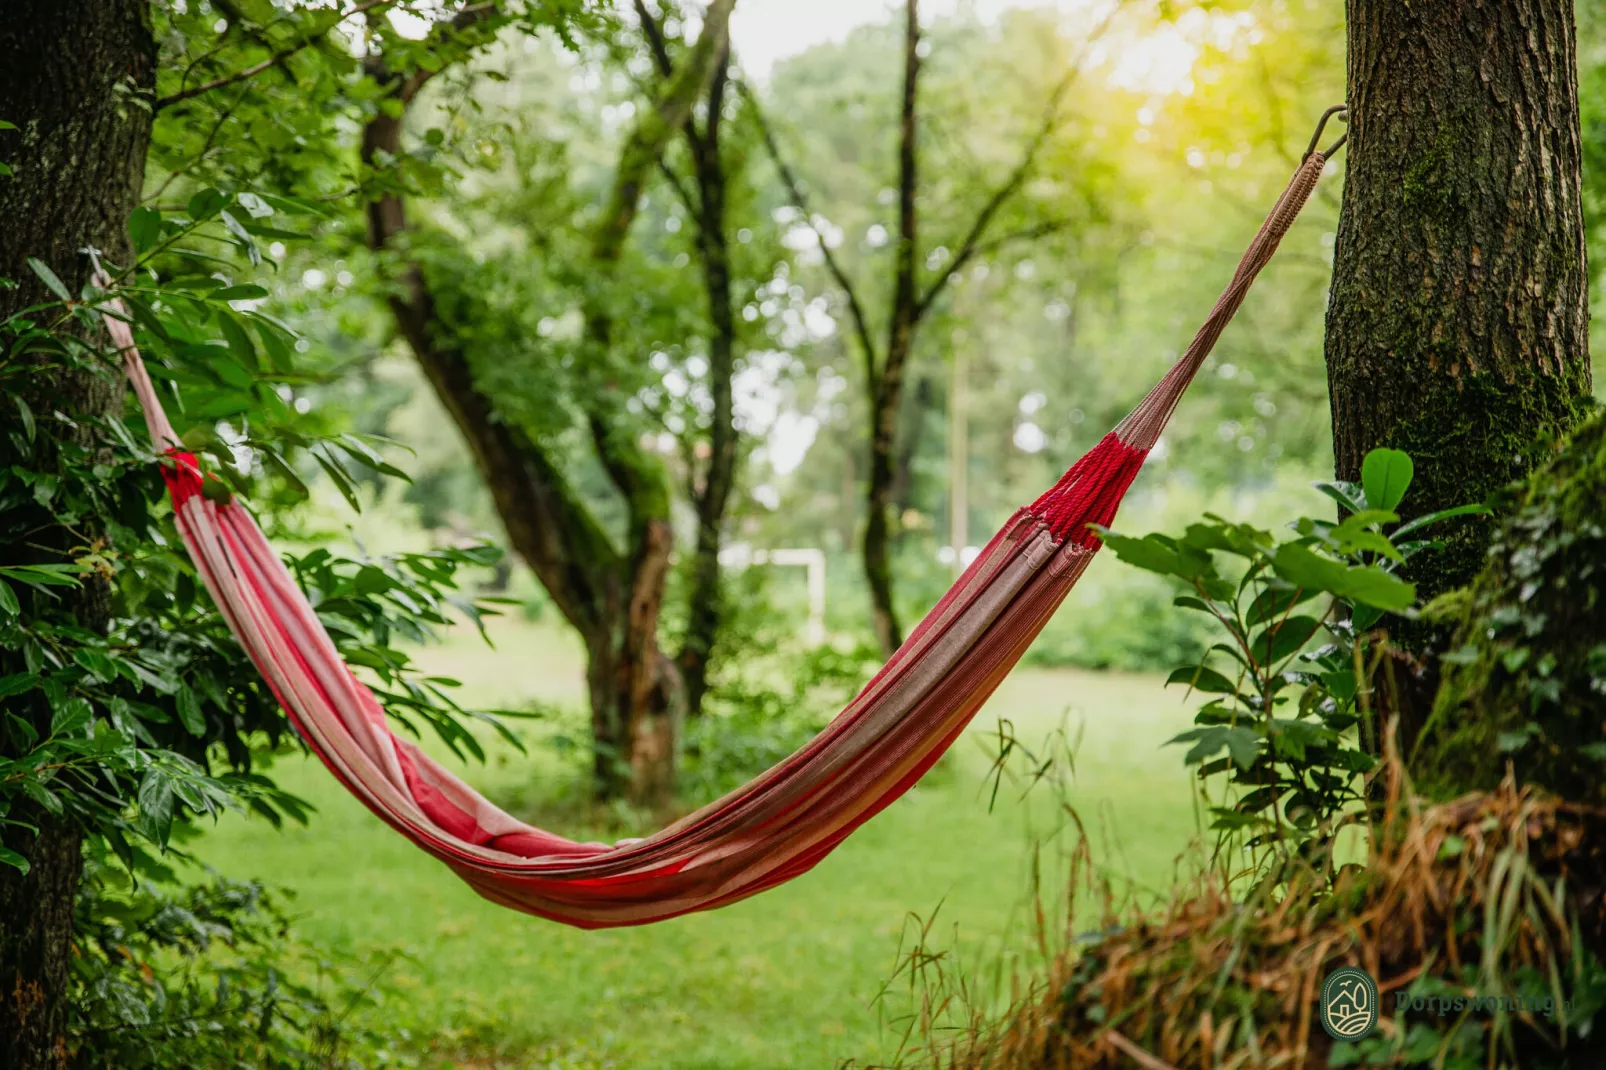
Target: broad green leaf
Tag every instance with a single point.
(1372, 586)
(1158, 553)
(1275, 602)
(70, 716)
(49, 278)
(1202, 678)
(25, 414)
(145, 228)
(9, 606)
(254, 205)
(7, 855)
(1282, 640)
(243, 236)
(156, 804)
(239, 341)
(17, 683)
(189, 711)
(205, 204)
(1386, 476)
(1360, 521)
(1303, 567)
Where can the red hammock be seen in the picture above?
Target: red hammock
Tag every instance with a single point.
(784, 821)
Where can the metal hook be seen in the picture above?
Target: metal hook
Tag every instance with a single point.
(1341, 110)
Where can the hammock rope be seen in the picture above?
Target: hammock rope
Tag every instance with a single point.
(784, 821)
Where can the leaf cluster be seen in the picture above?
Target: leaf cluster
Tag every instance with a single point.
(1301, 625)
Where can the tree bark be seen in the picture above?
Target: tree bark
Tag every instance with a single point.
(705, 608)
(1457, 323)
(886, 389)
(72, 77)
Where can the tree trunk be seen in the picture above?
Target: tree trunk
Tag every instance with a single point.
(705, 608)
(886, 389)
(613, 598)
(71, 76)
(1457, 324)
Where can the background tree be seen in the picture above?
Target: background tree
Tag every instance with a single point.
(613, 595)
(919, 278)
(1458, 323)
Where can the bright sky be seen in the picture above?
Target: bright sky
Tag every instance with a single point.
(767, 31)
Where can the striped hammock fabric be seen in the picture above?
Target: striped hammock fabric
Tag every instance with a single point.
(787, 819)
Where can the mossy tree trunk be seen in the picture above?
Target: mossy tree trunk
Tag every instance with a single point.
(72, 77)
(1524, 685)
(1457, 325)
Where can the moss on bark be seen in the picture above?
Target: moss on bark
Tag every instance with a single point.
(1525, 679)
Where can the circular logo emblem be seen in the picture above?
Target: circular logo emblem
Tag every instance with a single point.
(1348, 1004)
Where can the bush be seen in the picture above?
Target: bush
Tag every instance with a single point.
(209, 974)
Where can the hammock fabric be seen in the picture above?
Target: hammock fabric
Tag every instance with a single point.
(787, 819)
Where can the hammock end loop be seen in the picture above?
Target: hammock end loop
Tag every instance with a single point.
(1341, 111)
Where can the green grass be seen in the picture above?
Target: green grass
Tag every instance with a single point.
(787, 979)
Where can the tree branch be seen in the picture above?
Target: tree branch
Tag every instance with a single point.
(274, 60)
(972, 244)
(645, 145)
(638, 476)
(905, 302)
(655, 39)
(794, 190)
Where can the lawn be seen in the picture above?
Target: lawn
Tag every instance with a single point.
(788, 979)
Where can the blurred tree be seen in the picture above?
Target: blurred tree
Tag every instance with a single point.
(919, 279)
(710, 488)
(612, 596)
(1458, 323)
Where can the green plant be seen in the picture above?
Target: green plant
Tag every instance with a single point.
(1302, 629)
(159, 715)
(209, 973)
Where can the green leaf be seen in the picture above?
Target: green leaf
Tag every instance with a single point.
(17, 683)
(70, 716)
(254, 205)
(243, 292)
(1421, 522)
(49, 278)
(1386, 476)
(145, 228)
(243, 236)
(189, 711)
(1283, 640)
(24, 413)
(206, 204)
(239, 341)
(1304, 568)
(156, 804)
(1159, 553)
(1275, 602)
(7, 855)
(1363, 519)
(1202, 678)
(1350, 497)
(1374, 587)
(9, 606)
